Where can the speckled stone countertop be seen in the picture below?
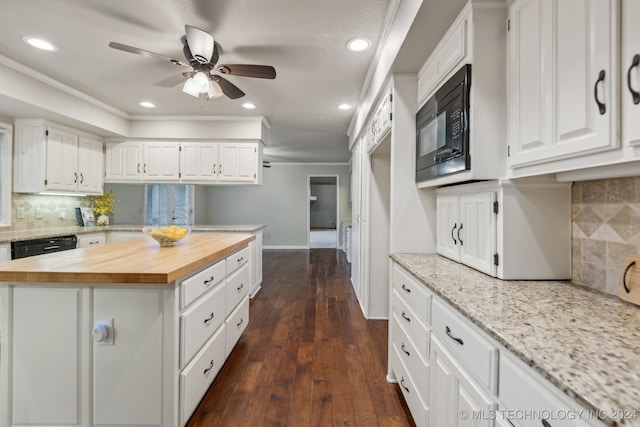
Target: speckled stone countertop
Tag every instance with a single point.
(585, 342)
(14, 236)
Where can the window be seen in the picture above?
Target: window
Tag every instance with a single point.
(169, 204)
(5, 174)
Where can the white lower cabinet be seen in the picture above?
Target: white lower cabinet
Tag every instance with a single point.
(452, 374)
(91, 239)
(457, 398)
(161, 352)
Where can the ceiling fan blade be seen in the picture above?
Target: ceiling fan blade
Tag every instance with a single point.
(173, 80)
(228, 88)
(200, 43)
(248, 70)
(145, 53)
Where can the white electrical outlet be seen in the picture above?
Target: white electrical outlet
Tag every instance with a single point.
(38, 213)
(63, 215)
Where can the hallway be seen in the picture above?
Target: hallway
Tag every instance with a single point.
(307, 357)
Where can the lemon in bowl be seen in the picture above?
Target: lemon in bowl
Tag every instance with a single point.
(167, 235)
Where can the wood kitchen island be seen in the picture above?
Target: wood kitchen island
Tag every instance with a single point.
(126, 333)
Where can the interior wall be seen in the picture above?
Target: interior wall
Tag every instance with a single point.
(280, 203)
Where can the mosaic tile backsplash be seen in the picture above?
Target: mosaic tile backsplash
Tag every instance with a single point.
(40, 211)
(605, 230)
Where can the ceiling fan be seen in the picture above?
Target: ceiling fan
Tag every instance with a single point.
(202, 78)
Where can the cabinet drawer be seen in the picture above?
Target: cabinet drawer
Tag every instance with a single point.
(237, 287)
(521, 391)
(415, 403)
(414, 363)
(236, 260)
(196, 378)
(467, 343)
(201, 282)
(414, 292)
(89, 240)
(236, 324)
(412, 325)
(200, 321)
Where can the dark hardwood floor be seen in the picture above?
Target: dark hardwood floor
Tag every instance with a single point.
(308, 357)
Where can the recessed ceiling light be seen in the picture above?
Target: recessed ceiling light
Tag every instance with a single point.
(358, 45)
(148, 104)
(40, 43)
(344, 107)
(249, 106)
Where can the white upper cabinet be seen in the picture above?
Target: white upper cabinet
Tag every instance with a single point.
(148, 161)
(161, 161)
(199, 161)
(186, 162)
(630, 69)
(53, 158)
(90, 165)
(562, 98)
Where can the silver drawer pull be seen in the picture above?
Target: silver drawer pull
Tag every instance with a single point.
(404, 288)
(206, 282)
(239, 288)
(94, 242)
(456, 339)
(403, 386)
(405, 350)
(209, 368)
(209, 319)
(241, 259)
(240, 322)
(404, 316)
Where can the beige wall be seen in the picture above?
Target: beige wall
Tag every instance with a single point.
(605, 230)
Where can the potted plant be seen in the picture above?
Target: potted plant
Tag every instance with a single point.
(103, 206)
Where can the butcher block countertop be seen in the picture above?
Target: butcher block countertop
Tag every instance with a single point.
(139, 260)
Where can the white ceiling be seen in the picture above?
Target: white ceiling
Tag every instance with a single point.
(303, 39)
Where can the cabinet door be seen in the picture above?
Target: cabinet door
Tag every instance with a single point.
(238, 162)
(477, 232)
(62, 160)
(90, 165)
(447, 226)
(630, 72)
(456, 400)
(161, 161)
(530, 92)
(127, 376)
(199, 162)
(51, 390)
(123, 162)
(563, 99)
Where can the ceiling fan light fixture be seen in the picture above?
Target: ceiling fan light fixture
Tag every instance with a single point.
(189, 88)
(215, 91)
(200, 82)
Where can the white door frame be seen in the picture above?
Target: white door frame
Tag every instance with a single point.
(337, 177)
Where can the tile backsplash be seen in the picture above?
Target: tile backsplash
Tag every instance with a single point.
(605, 218)
(44, 211)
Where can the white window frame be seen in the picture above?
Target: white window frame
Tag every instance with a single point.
(191, 207)
(5, 176)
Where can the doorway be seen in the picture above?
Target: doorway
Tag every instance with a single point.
(322, 218)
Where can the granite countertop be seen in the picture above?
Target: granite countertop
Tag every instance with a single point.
(13, 236)
(585, 342)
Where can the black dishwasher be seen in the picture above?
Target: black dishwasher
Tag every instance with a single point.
(27, 248)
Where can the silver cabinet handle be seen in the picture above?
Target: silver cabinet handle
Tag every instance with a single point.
(403, 386)
(209, 368)
(206, 282)
(405, 350)
(239, 288)
(240, 322)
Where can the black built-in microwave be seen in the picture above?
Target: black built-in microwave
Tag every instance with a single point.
(442, 129)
